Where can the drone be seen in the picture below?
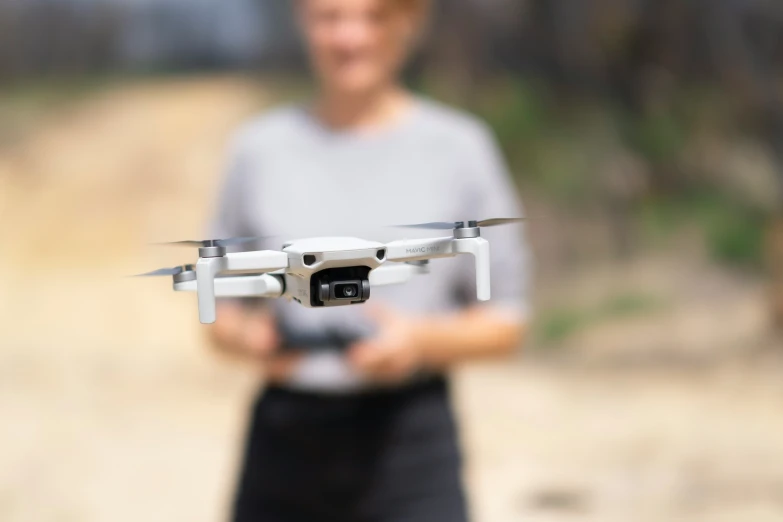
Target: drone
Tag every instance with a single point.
(325, 271)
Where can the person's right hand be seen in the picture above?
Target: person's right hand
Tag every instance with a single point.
(252, 336)
(242, 332)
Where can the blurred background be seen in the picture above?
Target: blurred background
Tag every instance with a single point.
(646, 137)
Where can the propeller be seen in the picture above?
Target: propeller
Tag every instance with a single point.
(494, 222)
(451, 225)
(231, 241)
(167, 271)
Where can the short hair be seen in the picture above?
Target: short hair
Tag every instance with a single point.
(420, 11)
(418, 7)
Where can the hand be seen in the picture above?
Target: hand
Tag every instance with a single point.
(244, 333)
(258, 336)
(252, 336)
(395, 352)
(259, 341)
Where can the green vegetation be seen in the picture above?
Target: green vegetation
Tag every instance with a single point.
(733, 231)
(545, 141)
(558, 324)
(23, 104)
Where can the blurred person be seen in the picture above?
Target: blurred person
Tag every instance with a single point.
(354, 421)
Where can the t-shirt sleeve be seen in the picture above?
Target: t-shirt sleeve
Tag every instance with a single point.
(227, 219)
(489, 192)
(229, 215)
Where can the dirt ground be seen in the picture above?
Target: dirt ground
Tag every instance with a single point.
(112, 407)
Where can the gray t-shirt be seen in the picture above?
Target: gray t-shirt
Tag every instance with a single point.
(291, 177)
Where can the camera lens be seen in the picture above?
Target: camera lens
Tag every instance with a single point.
(346, 291)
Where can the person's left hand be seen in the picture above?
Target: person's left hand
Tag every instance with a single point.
(394, 353)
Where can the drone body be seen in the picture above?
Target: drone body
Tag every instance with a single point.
(327, 271)
(332, 271)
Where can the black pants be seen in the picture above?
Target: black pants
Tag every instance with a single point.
(381, 456)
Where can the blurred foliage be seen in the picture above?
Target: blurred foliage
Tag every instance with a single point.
(558, 324)
(538, 137)
(23, 103)
(733, 231)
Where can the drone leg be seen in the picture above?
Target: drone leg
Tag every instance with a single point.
(479, 248)
(206, 270)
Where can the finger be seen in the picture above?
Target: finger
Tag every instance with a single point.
(364, 355)
(234, 350)
(261, 342)
(280, 367)
(370, 357)
(380, 313)
(389, 371)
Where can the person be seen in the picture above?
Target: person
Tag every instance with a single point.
(354, 422)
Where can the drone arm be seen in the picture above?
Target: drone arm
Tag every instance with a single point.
(421, 249)
(259, 262)
(394, 274)
(208, 268)
(263, 285)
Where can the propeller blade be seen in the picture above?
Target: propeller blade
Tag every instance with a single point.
(500, 221)
(450, 225)
(437, 225)
(163, 272)
(231, 241)
(183, 243)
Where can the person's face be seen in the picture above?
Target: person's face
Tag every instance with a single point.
(355, 45)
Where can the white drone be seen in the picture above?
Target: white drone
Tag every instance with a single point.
(327, 271)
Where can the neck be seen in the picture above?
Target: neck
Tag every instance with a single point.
(367, 110)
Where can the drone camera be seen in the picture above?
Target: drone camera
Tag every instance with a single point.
(340, 286)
